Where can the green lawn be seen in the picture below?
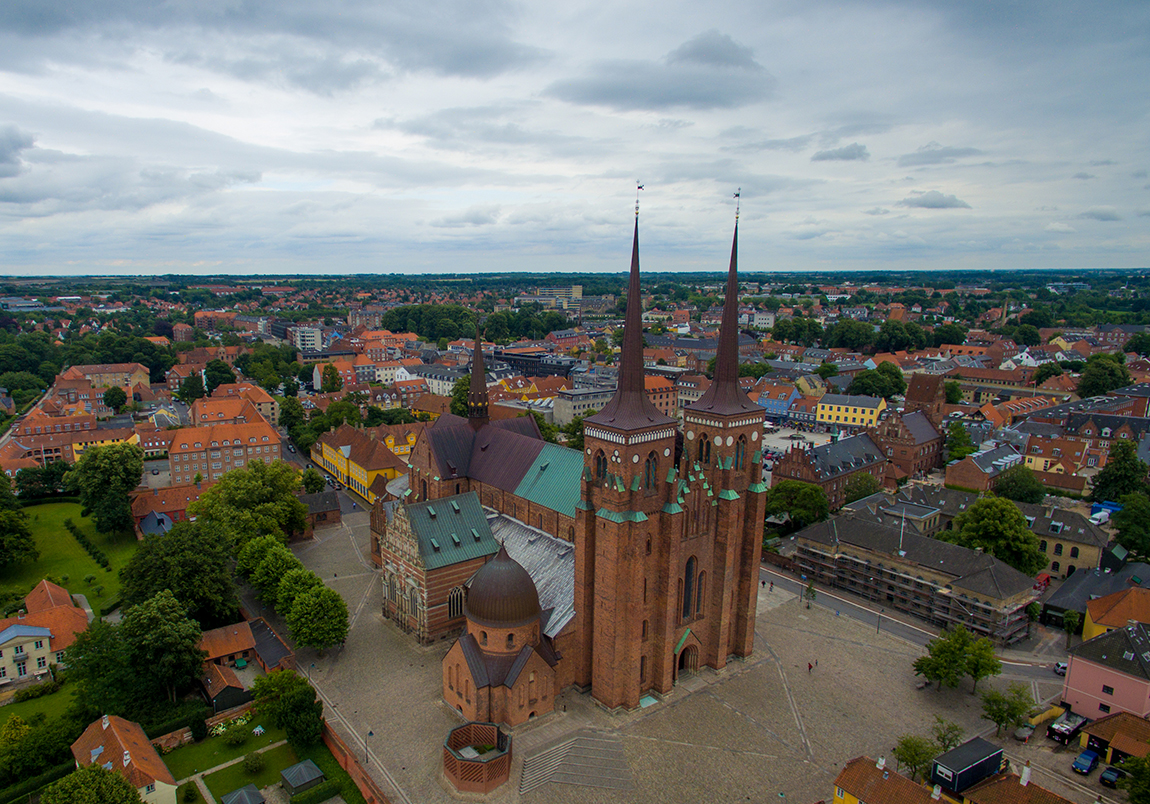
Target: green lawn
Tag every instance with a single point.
(61, 554)
(51, 705)
(206, 754)
(234, 777)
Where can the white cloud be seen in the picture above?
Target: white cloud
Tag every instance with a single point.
(933, 199)
(1058, 226)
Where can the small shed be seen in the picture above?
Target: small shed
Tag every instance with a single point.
(970, 763)
(248, 794)
(223, 688)
(301, 776)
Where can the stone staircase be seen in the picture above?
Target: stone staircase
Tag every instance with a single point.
(585, 758)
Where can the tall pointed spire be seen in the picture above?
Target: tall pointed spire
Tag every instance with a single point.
(477, 400)
(725, 396)
(630, 408)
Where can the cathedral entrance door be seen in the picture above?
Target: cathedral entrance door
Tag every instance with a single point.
(688, 661)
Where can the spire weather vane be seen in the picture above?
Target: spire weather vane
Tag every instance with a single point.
(738, 201)
(638, 187)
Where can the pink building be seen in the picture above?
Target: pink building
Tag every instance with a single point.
(1110, 673)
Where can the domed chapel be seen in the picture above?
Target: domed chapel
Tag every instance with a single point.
(664, 522)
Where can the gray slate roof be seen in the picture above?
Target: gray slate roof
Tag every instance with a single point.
(971, 570)
(248, 794)
(301, 773)
(850, 400)
(1126, 650)
(1086, 585)
(549, 561)
(845, 455)
(320, 501)
(920, 427)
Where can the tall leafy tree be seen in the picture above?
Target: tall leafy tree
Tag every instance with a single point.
(1008, 709)
(193, 561)
(312, 481)
(330, 381)
(318, 618)
(945, 661)
(267, 576)
(252, 554)
(191, 389)
(997, 526)
(257, 500)
(953, 392)
(17, 543)
(163, 643)
(293, 584)
(291, 413)
(1103, 374)
(1070, 622)
(981, 662)
(947, 735)
(290, 702)
(1123, 473)
(91, 784)
(915, 753)
(806, 503)
(103, 477)
(459, 395)
(1020, 484)
(1133, 523)
(958, 443)
(115, 398)
(1136, 783)
(217, 373)
(860, 485)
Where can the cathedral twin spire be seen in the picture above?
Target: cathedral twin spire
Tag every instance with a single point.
(630, 408)
(477, 399)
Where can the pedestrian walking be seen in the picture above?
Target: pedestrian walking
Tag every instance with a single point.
(764, 583)
(809, 667)
(772, 587)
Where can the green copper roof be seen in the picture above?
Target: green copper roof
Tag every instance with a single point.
(552, 480)
(673, 507)
(583, 505)
(450, 530)
(757, 488)
(756, 456)
(686, 634)
(621, 516)
(671, 474)
(727, 494)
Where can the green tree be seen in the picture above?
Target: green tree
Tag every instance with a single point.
(257, 500)
(810, 593)
(330, 381)
(1136, 783)
(290, 702)
(191, 389)
(806, 503)
(1132, 524)
(574, 430)
(312, 481)
(546, 429)
(1138, 345)
(17, 544)
(217, 373)
(958, 443)
(1044, 372)
(947, 735)
(1070, 622)
(1006, 710)
(98, 662)
(945, 661)
(827, 370)
(981, 662)
(13, 731)
(953, 334)
(1027, 335)
(997, 526)
(1020, 484)
(115, 398)
(291, 413)
(1123, 473)
(953, 392)
(253, 553)
(318, 619)
(193, 561)
(266, 577)
(293, 584)
(91, 784)
(860, 485)
(459, 395)
(163, 644)
(894, 378)
(103, 478)
(1103, 374)
(915, 753)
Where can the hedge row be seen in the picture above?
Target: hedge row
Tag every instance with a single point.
(95, 552)
(37, 691)
(21, 790)
(110, 606)
(28, 502)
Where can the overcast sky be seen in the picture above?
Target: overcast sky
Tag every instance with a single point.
(285, 136)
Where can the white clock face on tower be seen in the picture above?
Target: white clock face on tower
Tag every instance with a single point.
(754, 437)
(634, 459)
(690, 435)
(730, 440)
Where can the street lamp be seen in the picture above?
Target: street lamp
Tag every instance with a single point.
(370, 733)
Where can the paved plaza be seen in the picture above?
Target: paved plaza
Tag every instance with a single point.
(753, 731)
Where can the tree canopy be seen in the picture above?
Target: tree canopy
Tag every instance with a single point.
(997, 526)
(1006, 710)
(103, 478)
(318, 618)
(958, 443)
(91, 784)
(860, 485)
(1133, 523)
(290, 703)
(257, 500)
(806, 503)
(1020, 484)
(217, 373)
(163, 644)
(115, 398)
(1103, 373)
(1123, 473)
(330, 381)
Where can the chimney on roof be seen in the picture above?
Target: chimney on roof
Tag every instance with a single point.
(104, 722)
(127, 758)
(936, 794)
(1024, 779)
(881, 763)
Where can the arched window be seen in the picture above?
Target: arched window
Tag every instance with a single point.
(1054, 567)
(1041, 544)
(511, 640)
(689, 587)
(482, 637)
(699, 592)
(1058, 549)
(650, 471)
(455, 603)
(705, 449)
(392, 589)
(1074, 552)
(424, 487)
(414, 601)
(600, 465)
(740, 453)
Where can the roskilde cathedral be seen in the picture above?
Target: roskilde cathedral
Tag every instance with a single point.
(615, 570)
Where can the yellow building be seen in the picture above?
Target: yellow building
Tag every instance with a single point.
(102, 438)
(1116, 611)
(865, 781)
(811, 385)
(362, 463)
(849, 411)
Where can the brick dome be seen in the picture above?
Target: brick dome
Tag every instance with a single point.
(502, 593)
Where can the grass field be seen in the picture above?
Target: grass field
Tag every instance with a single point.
(234, 777)
(61, 554)
(206, 754)
(52, 705)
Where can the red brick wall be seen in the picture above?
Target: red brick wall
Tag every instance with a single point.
(350, 763)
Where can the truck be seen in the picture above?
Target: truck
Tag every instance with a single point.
(1066, 727)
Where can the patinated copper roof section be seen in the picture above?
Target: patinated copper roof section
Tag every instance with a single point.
(630, 408)
(724, 396)
(477, 400)
(502, 593)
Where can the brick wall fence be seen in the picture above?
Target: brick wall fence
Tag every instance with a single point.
(349, 761)
(782, 562)
(174, 739)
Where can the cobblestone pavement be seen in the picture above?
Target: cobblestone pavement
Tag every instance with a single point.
(750, 732)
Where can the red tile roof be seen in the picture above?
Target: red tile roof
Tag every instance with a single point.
(866, 782)
(123, 745)
(229, 639)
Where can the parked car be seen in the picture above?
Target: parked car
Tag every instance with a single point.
(1060, 668)
(1111, 775)
(291, 448)
(1086, 762)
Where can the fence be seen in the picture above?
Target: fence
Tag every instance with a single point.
(349, 761)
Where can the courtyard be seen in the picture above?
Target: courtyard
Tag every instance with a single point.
(758, 730)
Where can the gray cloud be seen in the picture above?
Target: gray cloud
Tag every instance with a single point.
(473, 216)
(1103, 213)
(935, 154)
(1102, 162)
(789, 144)
(711, 71)
(12, 142)
(854, 151)
(933, 199)
(876, 211)
(1083, 176)
(1138, 174)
